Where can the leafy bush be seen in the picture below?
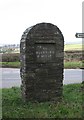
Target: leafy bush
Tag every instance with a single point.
(73, 56)
(10, 57)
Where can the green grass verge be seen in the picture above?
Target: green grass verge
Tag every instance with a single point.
(69, 107)
(10, 64)
(73, 65)
(67, 65)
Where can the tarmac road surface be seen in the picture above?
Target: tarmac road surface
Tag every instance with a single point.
(10, 77)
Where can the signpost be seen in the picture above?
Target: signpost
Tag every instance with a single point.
(79, 35)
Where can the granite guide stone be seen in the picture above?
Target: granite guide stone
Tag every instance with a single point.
(41, 58)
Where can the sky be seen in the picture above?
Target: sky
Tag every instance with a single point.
(17, 15)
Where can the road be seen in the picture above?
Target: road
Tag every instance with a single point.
(10, 77)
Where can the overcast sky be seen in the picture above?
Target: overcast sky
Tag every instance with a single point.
(17, 15)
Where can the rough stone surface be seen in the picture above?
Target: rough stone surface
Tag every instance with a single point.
(41, 56)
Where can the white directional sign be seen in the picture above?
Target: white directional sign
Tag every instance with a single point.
(79, 35)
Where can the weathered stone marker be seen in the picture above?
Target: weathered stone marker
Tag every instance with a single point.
(42, 54)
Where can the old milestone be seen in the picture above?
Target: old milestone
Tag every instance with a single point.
(41, 56)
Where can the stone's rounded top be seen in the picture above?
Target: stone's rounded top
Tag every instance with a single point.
(44, 31)
(45, 26)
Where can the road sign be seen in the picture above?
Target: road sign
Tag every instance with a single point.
(79, 35)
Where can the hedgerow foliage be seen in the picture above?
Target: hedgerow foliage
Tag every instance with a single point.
(10, 57)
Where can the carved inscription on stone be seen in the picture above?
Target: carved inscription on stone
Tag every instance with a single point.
(45, 52)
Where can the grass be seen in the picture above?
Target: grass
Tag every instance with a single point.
(73, 65)
(10, 64)
(73, 47)
(69, 107)
(67, 65)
